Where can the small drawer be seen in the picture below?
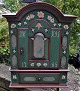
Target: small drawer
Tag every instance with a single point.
(39, 78)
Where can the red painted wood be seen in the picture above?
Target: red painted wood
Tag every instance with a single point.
(40, 6)
(38, 85)
(40, 71)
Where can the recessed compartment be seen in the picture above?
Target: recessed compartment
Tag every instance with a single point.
(39, 78)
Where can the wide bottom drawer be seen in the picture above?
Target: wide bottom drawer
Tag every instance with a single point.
(39, 78)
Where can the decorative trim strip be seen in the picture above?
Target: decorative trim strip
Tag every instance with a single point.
(22, 28)
(35, 71)
(38, 85)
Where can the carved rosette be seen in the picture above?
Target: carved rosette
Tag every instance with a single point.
(29, 17)
(13, 25)
(66, 27)
(50, 19)
(40, 14)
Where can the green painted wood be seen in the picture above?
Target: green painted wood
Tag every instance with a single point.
(23, 44)
(14, 77)
(39, 78)
(29, 21)
(13, 31)
(63, 78)
(55, 49)
(46, 49)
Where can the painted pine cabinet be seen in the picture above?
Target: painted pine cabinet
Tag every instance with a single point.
(39, 46)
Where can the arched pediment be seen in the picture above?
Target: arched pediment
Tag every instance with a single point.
(41, 7)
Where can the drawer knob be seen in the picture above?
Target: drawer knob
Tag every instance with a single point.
(39, 79)
(21, 51)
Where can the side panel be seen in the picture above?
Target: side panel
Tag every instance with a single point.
(55, 48)
(22, 48)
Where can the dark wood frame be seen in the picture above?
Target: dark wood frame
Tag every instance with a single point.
(40, 6)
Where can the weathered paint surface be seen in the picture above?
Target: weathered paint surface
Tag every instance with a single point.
(39, 46)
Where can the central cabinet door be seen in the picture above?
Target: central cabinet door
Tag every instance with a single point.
(39, 50)
(44, 51)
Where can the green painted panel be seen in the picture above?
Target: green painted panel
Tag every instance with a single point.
(63, 77)
(14, 77)
(23, 44)
(33, 16)
(55, 49)
(65, 32)
(39, 78)
(44, 29)
(31, 48)
(13, 44)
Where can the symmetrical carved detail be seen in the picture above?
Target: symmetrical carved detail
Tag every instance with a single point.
(64, 52)
(22, 34)
(45, 64)
(67, 33)
(14, 77)
(32, 64)
(19, 24)
(33, 29)
(38, 25)
(38, 64)
(11, 31)
(63, 77)
(59, 24)
(14, 51)
(46, 30)
(25, 23)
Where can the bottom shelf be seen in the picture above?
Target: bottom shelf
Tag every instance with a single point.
(38, 85)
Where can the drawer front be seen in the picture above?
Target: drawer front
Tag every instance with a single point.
(38, 78)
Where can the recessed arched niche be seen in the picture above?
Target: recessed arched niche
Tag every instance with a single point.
(39, 44)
